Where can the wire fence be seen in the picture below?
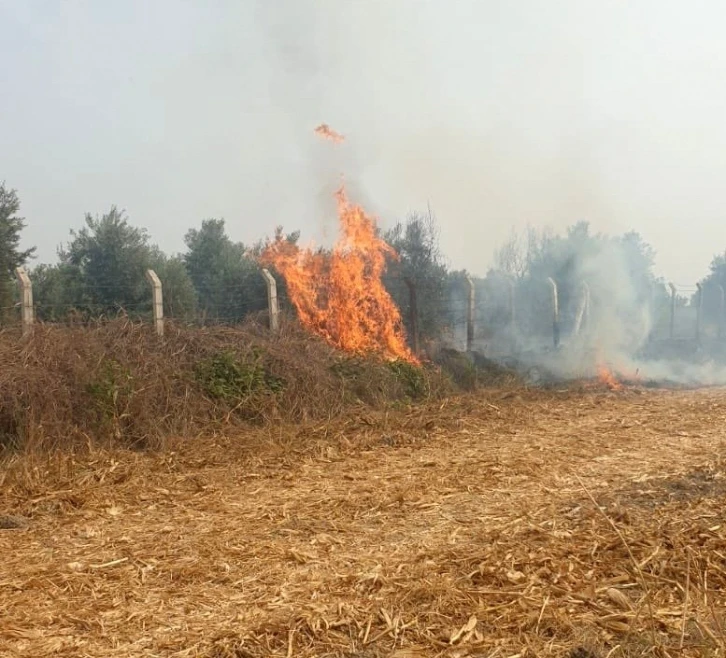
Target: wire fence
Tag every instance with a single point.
(497, 316)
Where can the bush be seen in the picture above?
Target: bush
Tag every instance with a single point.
(225, 377)
(117, 382)
(413, 378)
(110, 392)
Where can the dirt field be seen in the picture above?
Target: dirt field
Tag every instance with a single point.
(574, 524)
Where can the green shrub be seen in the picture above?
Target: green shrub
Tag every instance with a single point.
(412, 377)
(224, 376)
(111, 389)
(460, 368)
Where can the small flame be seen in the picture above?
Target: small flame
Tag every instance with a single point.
(607, 377)
(325, 131)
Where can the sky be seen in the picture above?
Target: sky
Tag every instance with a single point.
(496, 115)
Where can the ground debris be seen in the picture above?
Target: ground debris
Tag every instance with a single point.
(519, 527)
(12, 522)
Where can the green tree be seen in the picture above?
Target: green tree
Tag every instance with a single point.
(420, 262)
(639, 259)
(515, 257)
(109, 257)
(180, 297)
(11, 255)
(712, 286)
(57, 292)
(618, 270)
(224, 273)
(102, 270)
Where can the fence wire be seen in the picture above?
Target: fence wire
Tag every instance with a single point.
(504, 314)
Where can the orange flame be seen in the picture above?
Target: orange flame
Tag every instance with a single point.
(607, 377)
(339, 295)
(324, 130)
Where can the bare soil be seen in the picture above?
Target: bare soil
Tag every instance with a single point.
(581, 524)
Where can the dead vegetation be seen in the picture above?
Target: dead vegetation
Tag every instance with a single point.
(116, 383)
(495, 524)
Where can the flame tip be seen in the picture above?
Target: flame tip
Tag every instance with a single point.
(325, 131)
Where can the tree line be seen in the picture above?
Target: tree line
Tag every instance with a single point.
(100, 271)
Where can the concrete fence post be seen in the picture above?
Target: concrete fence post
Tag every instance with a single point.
(512, 306)
(272, 304)
(513, 313)
(157, 298)
(582, 310)
(26, 300)
(555, 312)
(471, 305)
(672, 325)
(653, 310)
(721, 309)
(699, 311)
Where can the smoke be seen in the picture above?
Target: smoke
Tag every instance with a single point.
(396, 80)
(613, 316)
(497, 114)
(494, 114)
(530, 146)
(619, 321)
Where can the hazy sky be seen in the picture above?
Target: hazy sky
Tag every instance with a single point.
(497, 114)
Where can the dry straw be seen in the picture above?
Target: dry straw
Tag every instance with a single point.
(497, 524)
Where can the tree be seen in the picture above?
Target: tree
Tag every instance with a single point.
(109, 257)
(103, 270)
(416, 242)
(517, 254)
(712, 286)
(11, 255)
(180, 297)
(639, 259)
(225, 274)
(57, 292)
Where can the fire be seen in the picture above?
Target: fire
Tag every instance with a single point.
(607, 377)
(339, 295)
(324, 130)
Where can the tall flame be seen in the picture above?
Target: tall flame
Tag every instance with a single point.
(339, 294)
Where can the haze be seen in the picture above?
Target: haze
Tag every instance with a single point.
(496, 114)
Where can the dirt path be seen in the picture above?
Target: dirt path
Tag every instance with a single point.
(463, 529)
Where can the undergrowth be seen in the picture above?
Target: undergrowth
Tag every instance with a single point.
(412, 377)
(117, 383)
(110, 393)
(226, 376)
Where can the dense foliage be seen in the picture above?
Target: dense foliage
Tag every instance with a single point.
(11, 255)
(100, 271)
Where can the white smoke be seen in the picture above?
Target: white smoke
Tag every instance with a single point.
(608, 323)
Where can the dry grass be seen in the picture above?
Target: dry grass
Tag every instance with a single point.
(520, 524)
(117, 383)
